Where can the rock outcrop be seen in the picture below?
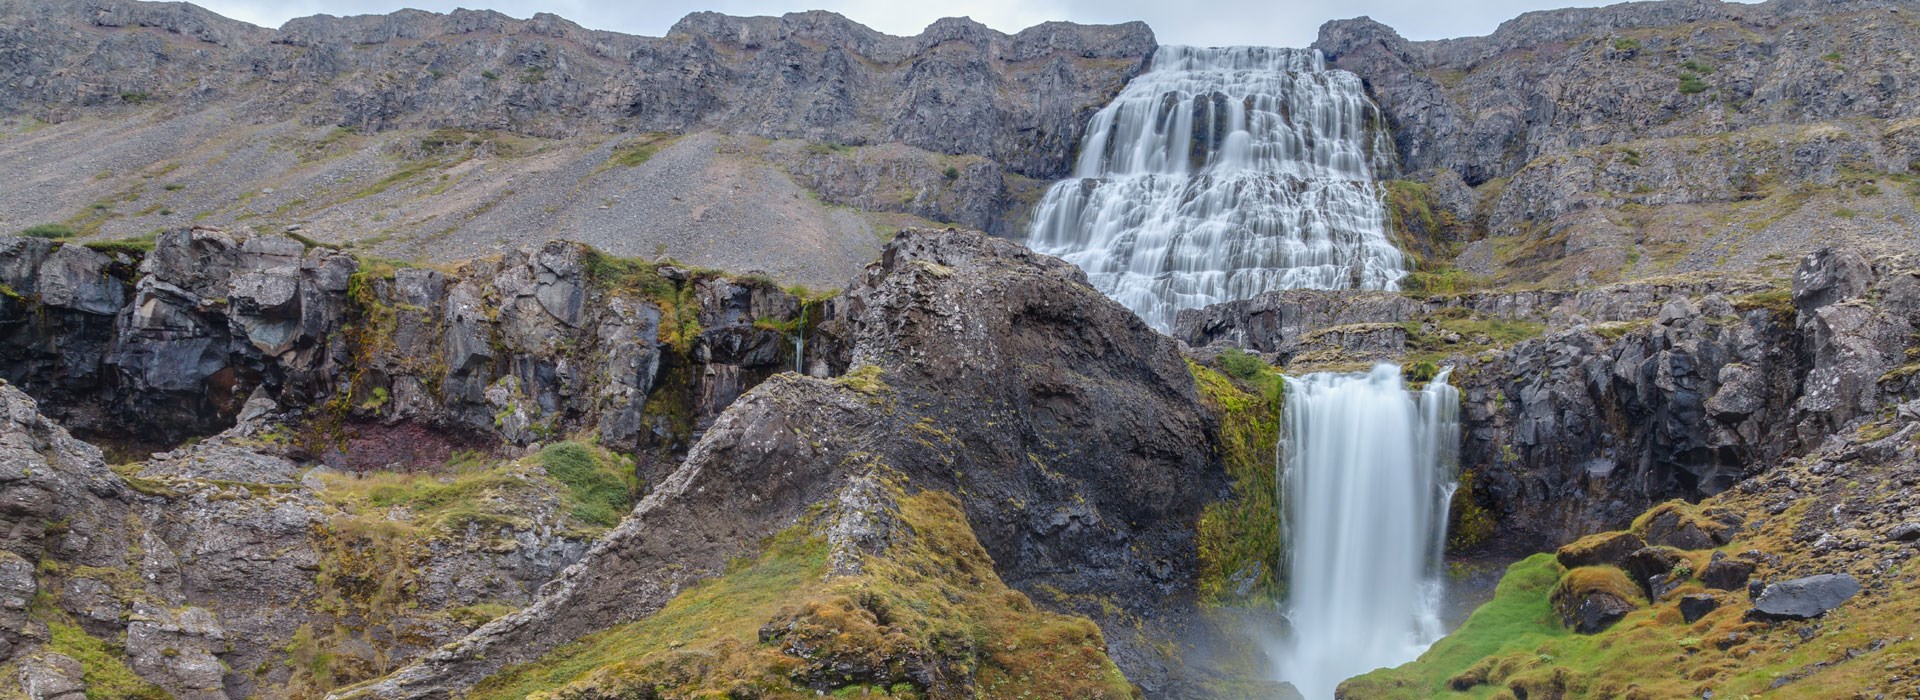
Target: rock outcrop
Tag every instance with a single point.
(979, 368)
(526, 347)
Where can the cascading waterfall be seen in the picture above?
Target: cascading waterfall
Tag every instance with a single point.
(1369, 473)
(1223, 173)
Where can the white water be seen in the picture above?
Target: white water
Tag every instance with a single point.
(1369, 471)
(1223, 173)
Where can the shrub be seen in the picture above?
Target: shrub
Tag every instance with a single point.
(601, 493)
(1691, 84)
(951, 173)
(1626, 45)
(48, 231)
(1241, 364)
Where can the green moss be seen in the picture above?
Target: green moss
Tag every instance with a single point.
(866, 379)
(1238, 538)
(101, 664)
(636, 151)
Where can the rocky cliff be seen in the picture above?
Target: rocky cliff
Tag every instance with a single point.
(394, 129)
(1592, 145)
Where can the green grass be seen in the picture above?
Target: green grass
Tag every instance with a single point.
(136, 246)
(53, 231)
(730, 608)
(603, 487)
(1626, 45)
(1691, 84)
(1519, 618)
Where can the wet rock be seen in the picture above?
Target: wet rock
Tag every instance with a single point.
(1696, 605)
(1804, 598)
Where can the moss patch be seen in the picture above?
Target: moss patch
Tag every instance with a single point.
(1239, 537)
(776, 627)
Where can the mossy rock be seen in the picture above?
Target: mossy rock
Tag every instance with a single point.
(1608, 548)
(1590, 599)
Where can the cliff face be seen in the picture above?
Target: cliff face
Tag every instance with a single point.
(1584, 408)
(1592, 145)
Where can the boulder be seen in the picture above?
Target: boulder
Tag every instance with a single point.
(1904, 532)
(1649, 562)
(1726, 573)
(1804, 598)
(1694, 606)
(1590, 599)
(1610, 548)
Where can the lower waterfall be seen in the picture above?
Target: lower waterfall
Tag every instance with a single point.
(1368, 474)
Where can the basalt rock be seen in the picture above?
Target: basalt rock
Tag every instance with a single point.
(1632, 393)
(541, 342)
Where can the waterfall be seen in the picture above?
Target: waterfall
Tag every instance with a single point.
(1223, 173)
(1369, 473)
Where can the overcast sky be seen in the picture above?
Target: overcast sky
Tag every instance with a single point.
(1202, 22)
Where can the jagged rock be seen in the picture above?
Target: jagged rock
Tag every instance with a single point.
(1904, 532)
(524, 346)
(1696, 605)
(1804, 598)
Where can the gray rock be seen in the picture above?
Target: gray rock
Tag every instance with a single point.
(1804, 598)
(1726, 573)
(1696, 605)
(50, 676)
(1904, 532)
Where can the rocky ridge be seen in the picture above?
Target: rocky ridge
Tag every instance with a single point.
(412, 131)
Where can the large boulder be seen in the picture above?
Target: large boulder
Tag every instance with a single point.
(1804, 598)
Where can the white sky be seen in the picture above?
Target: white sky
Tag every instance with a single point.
(1201, 22)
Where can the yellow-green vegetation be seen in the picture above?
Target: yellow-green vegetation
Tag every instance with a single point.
(679, 311)
(636, 151)
(602, 484)
(1470, 524)
(931, 602)
(1476, 333)
(1581, 582)
(1239, 538)
(136, 246)
(101, 664)
(48, 231)
(1516, 647)
(368, 576)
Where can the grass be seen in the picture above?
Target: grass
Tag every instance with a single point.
(603, 486)
(636, 151)
(50, 231)
(932, 602)
(136, 246)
